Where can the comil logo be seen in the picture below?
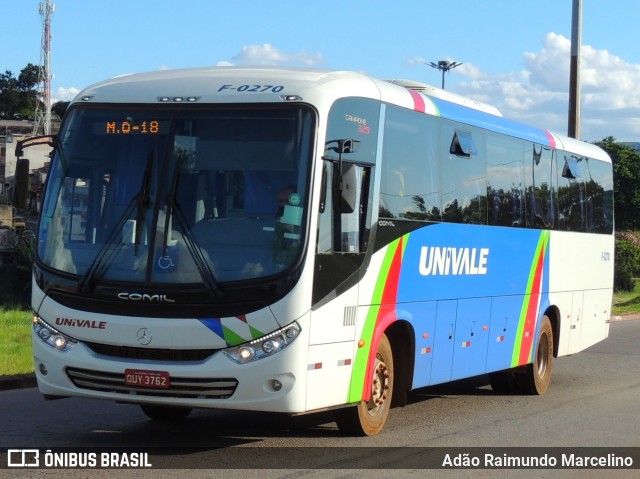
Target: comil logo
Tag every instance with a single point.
(23, 458)
(162, 298)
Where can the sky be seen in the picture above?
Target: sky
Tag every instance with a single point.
(515, 54)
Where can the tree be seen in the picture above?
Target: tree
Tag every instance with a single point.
(626, 183)
(8, 93)
(59, 107)
(19, 95)
(28, 77)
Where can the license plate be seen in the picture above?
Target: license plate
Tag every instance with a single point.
(146, 379)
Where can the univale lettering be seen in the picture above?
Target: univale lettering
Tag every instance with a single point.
(81, 323)
(445, 261)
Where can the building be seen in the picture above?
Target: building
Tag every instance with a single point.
(12, 131)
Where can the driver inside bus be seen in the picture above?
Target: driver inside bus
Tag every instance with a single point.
(288, 221)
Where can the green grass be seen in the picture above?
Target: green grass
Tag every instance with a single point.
(627, 302)
(15, 342)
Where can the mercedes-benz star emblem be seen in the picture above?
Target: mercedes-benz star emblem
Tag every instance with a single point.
(144, 336)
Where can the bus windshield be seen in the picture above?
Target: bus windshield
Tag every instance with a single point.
(166, 195)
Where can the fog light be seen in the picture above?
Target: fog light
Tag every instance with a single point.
(276, 385)
(43, 369)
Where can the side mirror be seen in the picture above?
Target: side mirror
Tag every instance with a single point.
(21, 189)
(347, 182)
(347, 145)
(348, 186)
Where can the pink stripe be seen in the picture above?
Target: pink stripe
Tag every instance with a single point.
(418, 101)
(552, 141)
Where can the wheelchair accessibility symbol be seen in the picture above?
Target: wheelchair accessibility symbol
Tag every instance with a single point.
(165, 262)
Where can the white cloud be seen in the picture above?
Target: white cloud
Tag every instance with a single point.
(64, 94)
(539, 94)
(471, 71)
(267, 55)
(416, 61)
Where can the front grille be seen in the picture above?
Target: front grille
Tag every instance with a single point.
(129, 352)
(199, 388)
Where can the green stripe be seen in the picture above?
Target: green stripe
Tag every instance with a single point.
(362, 354)
(542, 244)
(435, 107)
(231, 337)
(255, 333)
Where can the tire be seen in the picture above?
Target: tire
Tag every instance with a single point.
(165, 413)
(369, 417)
(537, 376)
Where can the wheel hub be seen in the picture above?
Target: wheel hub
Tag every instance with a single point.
(379, 386)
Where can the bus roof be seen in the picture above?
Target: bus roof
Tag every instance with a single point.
(318, 87)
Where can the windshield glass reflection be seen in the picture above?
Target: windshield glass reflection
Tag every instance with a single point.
(174, 196)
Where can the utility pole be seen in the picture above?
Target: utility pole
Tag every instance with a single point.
(574, 73)
(445, 66)
(43, 118)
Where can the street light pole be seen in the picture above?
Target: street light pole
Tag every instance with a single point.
(573, 129)
(445, 66)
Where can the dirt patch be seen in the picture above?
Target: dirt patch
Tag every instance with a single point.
(632, 237)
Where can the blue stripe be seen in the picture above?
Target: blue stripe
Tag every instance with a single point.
(214, 325)
(463, 114)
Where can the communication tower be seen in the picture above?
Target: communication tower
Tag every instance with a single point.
(42, 123)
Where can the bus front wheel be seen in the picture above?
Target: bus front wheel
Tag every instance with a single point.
(369, 417)
(538, 375)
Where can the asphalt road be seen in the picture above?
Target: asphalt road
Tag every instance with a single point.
(593, 401)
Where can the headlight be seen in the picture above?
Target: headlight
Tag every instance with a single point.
(265, 346)
(51, 336)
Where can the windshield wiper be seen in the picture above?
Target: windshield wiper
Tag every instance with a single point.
(63, 159)
(194, 250)
(142, 201)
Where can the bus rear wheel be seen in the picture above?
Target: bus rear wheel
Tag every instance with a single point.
(369, 417)
(533, 378)
(165, 413)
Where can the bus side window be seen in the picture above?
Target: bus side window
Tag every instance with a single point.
(462, 144)
(343, 209)
(343, 226)
(571, 194)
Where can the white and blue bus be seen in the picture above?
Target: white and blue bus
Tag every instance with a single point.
(294, 241)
